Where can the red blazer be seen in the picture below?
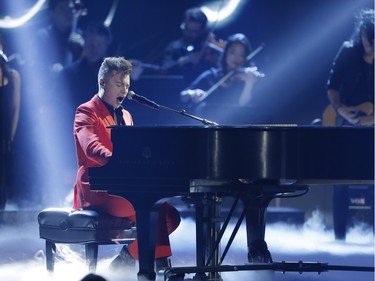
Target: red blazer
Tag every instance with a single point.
(93, 147)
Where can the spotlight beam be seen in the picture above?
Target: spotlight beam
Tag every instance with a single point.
(8, 22)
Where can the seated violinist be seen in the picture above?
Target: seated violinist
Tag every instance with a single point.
(194, 51)
(225, 102)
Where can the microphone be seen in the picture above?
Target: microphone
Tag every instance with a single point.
(142, 100)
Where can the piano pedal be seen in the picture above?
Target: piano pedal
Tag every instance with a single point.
(176, 277)
(162, 264)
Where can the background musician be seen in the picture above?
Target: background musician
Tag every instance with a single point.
(60, 42)
(78, 81)
(351, 85)
(351, 79)
(186, 56)
(229, 102)
(10, 96)
(80, 78)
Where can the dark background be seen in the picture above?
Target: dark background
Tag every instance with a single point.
(301, 39)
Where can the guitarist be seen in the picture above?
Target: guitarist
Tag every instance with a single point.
(351, 80)
(351, 83)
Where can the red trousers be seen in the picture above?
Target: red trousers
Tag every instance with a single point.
(168, 221)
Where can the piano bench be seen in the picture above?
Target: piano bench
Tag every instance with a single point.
(87, 227)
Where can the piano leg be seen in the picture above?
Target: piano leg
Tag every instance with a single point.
(146, 236)
(207, 219)
(257, 202)
(255, 229)
(147, 213)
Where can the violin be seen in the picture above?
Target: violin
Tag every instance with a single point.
(231, 73)
(252, 69)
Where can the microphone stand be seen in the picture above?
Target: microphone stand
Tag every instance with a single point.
(183, 112)
(154, 105)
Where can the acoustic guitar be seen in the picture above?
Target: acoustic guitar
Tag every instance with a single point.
(365, 111)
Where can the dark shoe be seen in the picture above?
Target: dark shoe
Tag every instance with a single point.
(161, 264)
(123, 261)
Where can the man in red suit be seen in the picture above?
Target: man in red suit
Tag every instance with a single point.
(94, 148)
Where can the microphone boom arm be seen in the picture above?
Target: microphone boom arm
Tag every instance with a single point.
(145, 101)
(183, 112)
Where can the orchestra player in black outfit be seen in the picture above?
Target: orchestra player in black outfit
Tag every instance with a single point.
(350, 90)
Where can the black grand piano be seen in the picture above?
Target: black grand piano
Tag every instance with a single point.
(252, 163)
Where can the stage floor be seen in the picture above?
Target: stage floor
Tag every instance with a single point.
(22, 252)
